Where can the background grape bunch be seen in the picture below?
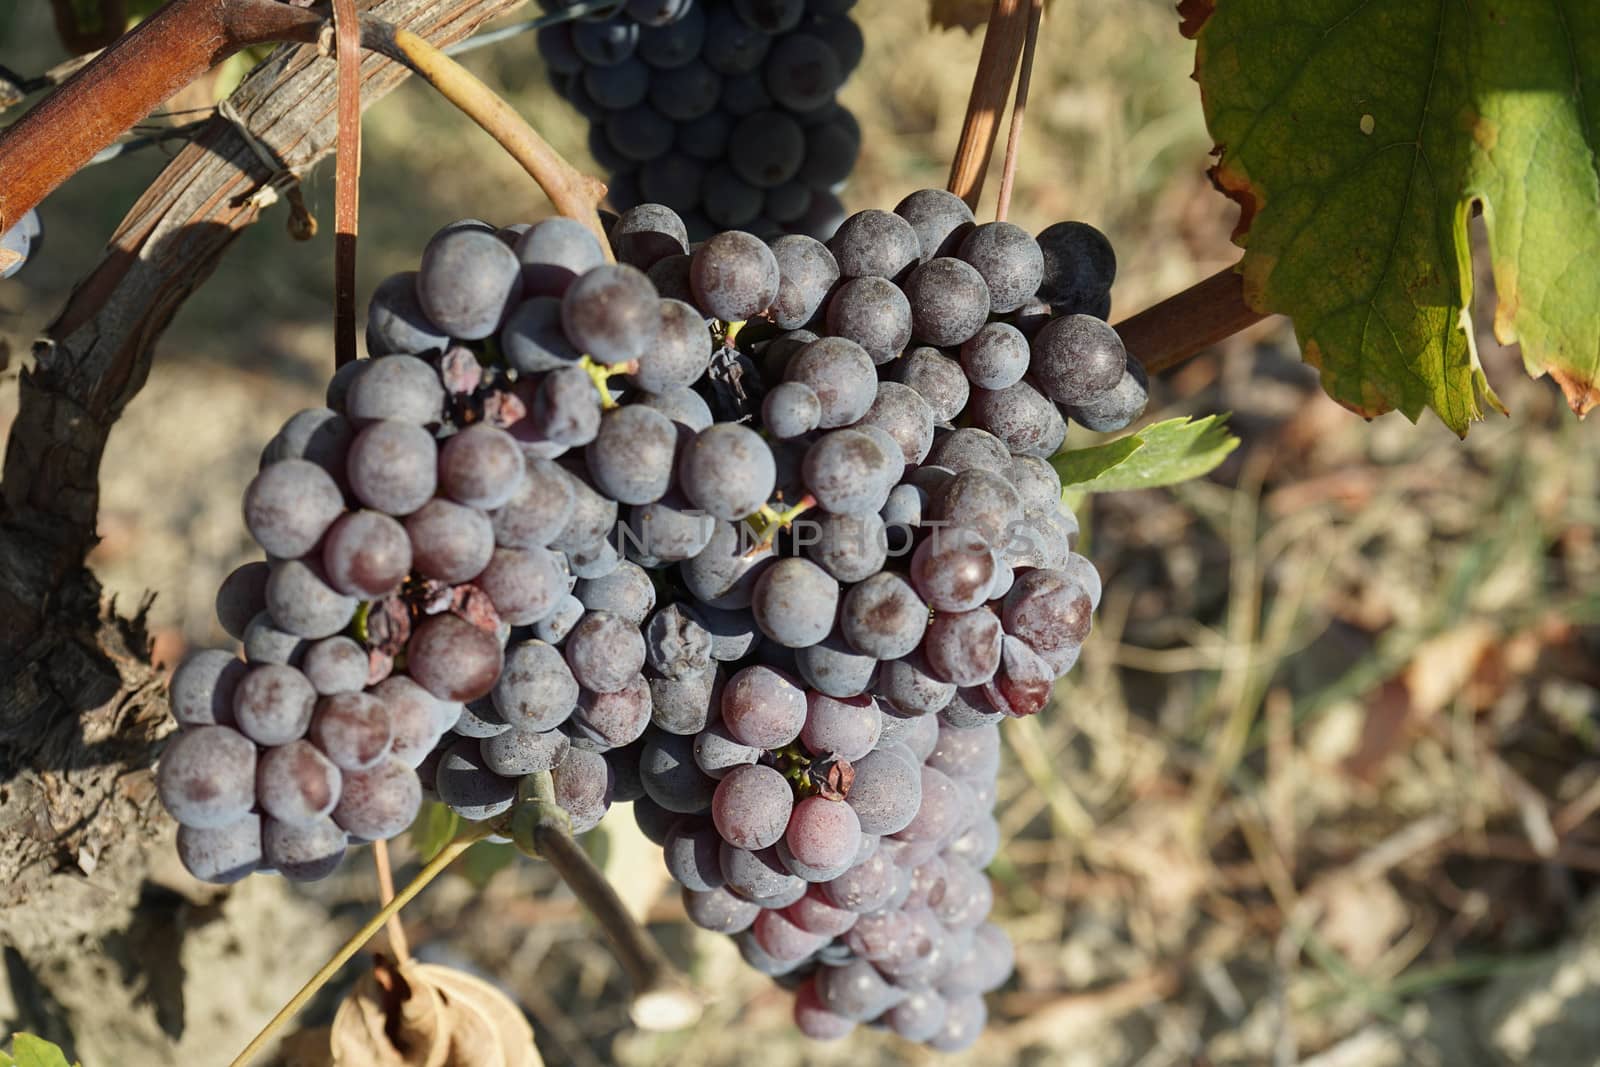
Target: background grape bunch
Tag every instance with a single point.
(723, 110)
(760, 538)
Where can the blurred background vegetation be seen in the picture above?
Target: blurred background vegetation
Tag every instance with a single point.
(1320, 792)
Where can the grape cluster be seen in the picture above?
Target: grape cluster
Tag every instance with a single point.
(723, 110)
(760, 538)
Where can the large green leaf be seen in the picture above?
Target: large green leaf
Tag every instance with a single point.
(1358, 135)
(1164, 453)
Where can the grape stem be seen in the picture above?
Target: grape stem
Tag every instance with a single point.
(347, 182)
(540, 827)
(991, 85)
(468, 837)
(398, 944)
(1183, 325)
(1008, 173)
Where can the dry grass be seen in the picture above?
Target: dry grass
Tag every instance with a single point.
(1328, 763)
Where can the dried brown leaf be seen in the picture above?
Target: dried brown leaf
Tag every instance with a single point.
(489, 1030)
(406, 1026)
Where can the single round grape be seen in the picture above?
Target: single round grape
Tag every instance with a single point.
(719, 911)
(716, 752)
(938, 379)
(692, 852)
(848, 547)
(553, 252)
(981, 501)
(264, 642)
(351, 729)
(760, 876)
(296, 783)
(849, 472)
(1024, 420)
(833, 668)
(841, 373)
(782, 939)
(206, 777)
(449, 542)
(301, 601)
(605, 42)
(1049, 610)
(728, 471)
(806, 275)
(1009, 260)
(525, 584)
(272, 705)
(1116, 409)
(813, 1019)
(940, 219)
(1077, 359)
(884, 617)
(823, 832)
(671, 778)
(583, 787)
(866, 887)
(291, 504)
(669, 530)
(612, 313)
(751, 806)
(540, 507)
(794, 602)
(242, 594)
(790, 409)
(881, 935)
(875, 243)
(673, 44)
(480, 467)
(844, 729)
(366, 554)
(631, 457)
(533, 339)
(222, 854)
(604, 652)
(802, 72)
(856, 991)
(453, 659)
(681, 352)
(902, 413)
(203, 688)
(397, 387)
(787, 203)
(626, 592)
(965, 1018)
(468, 787)
(393, 467)
(380, 802)
(763, 707)
(307, 852)
(647, 233)
(606, 721)
(948, 301)
(969, 709)
(953, 569)
(767, 148)
(996, 356)
(966, 449)
(874, 313)
(336, 665)
(734, 275)
(1079, 264)
(519, 752)
(1022, 683)
(619, 86)
(467, 282)
(535, 690)
(320, 435)
(886, 793)
(964, 647)
(729, 202)
(397, 323)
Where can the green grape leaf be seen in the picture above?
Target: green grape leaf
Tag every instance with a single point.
(484, 860)
(434, 828)
(30, 1051)
(1086, 464)
(1164, 453)
(1358, 135)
